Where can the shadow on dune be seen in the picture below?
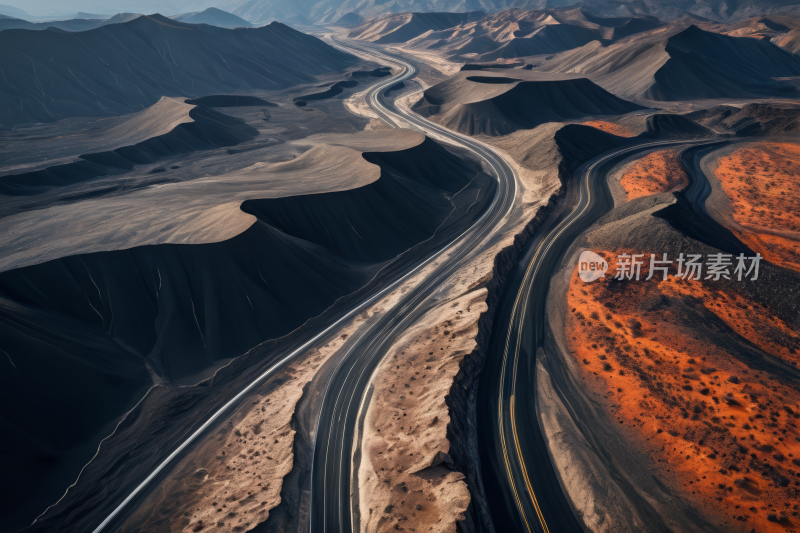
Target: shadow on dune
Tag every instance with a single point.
(84, 335)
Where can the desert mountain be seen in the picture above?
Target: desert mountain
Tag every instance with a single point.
(123, 68)
(683, 64)
(506, 34)
(495, 103)
(214, 17)
(406, 26)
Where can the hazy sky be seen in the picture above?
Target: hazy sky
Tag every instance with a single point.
(68, 7)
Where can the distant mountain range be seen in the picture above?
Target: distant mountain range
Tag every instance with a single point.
(76, 24)
(330, 11)
(122, 68)
(482, 37)
(89, 21)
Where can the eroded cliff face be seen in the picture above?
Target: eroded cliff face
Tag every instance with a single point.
(403, 475)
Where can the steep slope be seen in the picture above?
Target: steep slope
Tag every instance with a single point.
(85, 334)
(214, 17)
(790, 41)
(685, 64)
(122, 68)
(489, 103)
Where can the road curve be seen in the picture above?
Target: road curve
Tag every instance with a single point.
(331, 508)
(522, 486)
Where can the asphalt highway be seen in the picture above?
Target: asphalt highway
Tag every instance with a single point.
(523, 489)
(331, 484)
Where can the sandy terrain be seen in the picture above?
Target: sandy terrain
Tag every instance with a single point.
(717, 430)
(654, 173)
(761, 182)
(404, 462)
(191, 212)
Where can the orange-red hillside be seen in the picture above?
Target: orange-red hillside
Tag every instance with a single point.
(724, 434)
(761, 182)
(656, 172)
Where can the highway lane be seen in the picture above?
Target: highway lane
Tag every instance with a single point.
(332, 505)
(523, 488)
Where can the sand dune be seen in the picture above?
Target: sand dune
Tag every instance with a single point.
(489, 102)
(113, 310)
(123, 68)
(167, 128)
(683, 64)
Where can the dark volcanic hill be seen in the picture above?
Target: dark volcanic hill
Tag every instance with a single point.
(214, 17)
(685, 64)
(122, 68)
(483, 102)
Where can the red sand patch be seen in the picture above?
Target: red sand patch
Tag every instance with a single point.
(654, 173)
(610, 127)
(761, 182)
(724, 434)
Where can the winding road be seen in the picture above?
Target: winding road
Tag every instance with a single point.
(345, 391)
(523, 488)
(332, 471)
